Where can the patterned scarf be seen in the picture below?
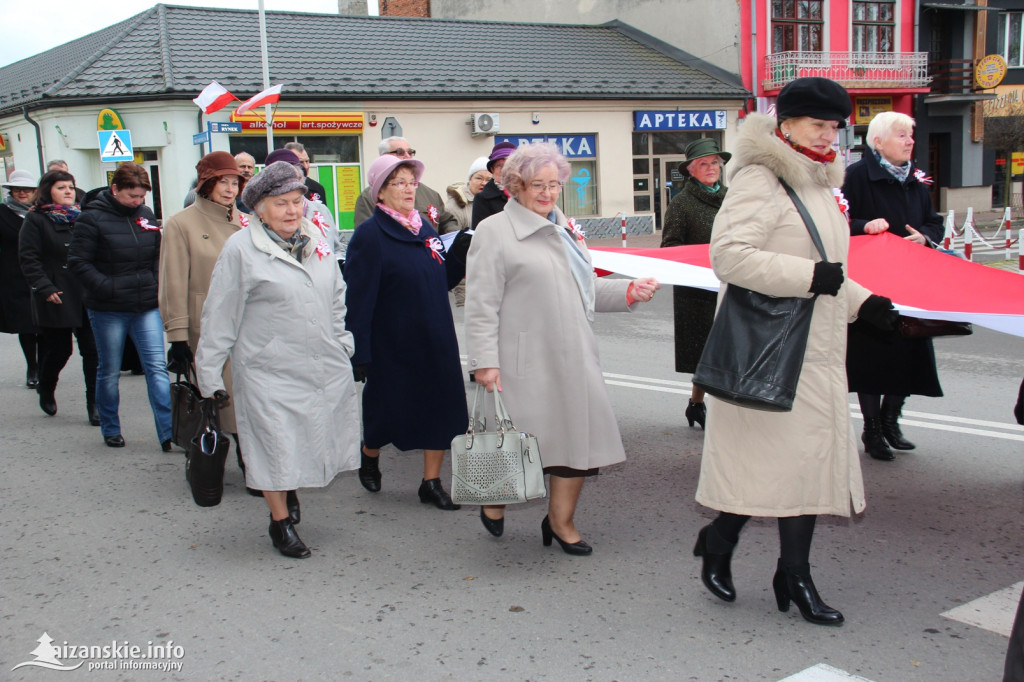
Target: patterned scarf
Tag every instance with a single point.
(806, 151)
(59, 213)
(19, 208)
(901, 173)
(413, 222)
(293, 246)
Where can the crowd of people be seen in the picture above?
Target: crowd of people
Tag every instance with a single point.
(258, 296)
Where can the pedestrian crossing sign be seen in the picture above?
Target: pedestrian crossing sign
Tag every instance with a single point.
(115, 145)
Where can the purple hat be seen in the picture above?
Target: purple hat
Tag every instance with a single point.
(286, 155)
(500, 151)
(384, 166)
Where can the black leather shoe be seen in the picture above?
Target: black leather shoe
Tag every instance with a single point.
(716, 573)
(696, 412)
(874, 441)
(32, 378)
(891, 410)
(166, 445)
(494, 526)
(800, 590)
(287, 541)
(294, 512)
(115, 441)
(432, 492)
(94, 412)
(369, 472)
(47, 400)
(575, 548)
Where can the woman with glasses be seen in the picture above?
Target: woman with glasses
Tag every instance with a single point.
(531, 296)
(398, 277)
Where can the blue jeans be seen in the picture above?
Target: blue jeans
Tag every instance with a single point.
(147, 332)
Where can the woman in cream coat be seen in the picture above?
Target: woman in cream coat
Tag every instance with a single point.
(790, 465)
(276, 307)
(531, 295)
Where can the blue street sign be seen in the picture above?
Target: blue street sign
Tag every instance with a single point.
(115, 145)
(223, 127)
(201, 138)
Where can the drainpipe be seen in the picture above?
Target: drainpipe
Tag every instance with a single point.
(753, 50)
(39, 139)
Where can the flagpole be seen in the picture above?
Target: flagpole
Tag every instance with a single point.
(269, 115)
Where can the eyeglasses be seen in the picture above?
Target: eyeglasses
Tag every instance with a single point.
(403, 184)
(403, 152)
(549, 186)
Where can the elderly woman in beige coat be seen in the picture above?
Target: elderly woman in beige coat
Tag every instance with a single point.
(531, 296)
(276, 308)
(790, 465)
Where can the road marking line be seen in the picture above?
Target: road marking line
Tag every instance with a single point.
(993, 612)
(824, 673)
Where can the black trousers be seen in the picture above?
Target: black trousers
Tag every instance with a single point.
(795, 535)
(55, 350)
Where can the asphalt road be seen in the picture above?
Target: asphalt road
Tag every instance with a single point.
(102, 545)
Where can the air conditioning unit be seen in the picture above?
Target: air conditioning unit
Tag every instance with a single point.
(485, 124)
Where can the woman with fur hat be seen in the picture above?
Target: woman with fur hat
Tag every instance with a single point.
(276, 309)
(789, 465)
(15, 308)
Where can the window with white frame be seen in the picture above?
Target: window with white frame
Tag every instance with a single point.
(1010, 38)
(874, 26)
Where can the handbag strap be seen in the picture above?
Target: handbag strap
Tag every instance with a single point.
(808, 221)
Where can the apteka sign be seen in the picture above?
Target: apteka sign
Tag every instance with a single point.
(680, 120)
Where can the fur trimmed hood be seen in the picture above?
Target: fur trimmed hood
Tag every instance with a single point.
(757, 145)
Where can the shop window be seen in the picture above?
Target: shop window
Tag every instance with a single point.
(579, 196)
(642, 204)
(874, 25)
(1010, 38)
(797, 25)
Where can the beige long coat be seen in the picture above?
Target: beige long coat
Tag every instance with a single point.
(524, 315)
(780, 464)
(192, 241)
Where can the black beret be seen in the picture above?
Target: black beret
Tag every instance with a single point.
(816, 97)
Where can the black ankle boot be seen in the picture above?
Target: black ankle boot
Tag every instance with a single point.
(287, 541)
(716, 573)
(892, 407)
(94, 412)
(696, 412)
(797, 586)
(874, 441)
(32, 377)
(369, 472)
(432, 492)
(294, 511)
(47, 399)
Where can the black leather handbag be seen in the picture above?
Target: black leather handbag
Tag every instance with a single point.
(755, 351)
(205, 456)
(185, 413)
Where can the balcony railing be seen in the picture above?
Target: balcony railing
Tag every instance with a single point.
(850, 69)
(952, 76)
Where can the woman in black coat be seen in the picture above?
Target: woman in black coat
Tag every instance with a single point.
(886, 193)
(15, 310)
(493, 197)
(56, 296)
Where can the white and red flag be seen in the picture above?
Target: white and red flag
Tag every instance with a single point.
(271, 95)
(214, 97)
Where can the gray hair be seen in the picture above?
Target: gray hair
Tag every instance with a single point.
(59, 164)
(246, 154)
(526, 162)
(385, 145)
(295, 146)
(884, 124)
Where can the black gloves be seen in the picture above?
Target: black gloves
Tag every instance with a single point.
(460, 245)
(879, 313)
(179, 357)
(359, 372)
(221, 398)
(827, 279)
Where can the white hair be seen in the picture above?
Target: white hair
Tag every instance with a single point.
(884, 124)
(385, 145)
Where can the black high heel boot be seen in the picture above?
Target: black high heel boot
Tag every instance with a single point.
(94, 412)
(792, 586)
(287, 541)
(716, 572)
(575, 548)
(432, 492)
(32, 377)
(47, 399)
(369, 471)
(696, 412)
(874, 441)
(294, 511)
(892, 407)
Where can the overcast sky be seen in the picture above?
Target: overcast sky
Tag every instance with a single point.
(28, 31)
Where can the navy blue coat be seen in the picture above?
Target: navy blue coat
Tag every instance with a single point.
(398, 311)
(874, 193)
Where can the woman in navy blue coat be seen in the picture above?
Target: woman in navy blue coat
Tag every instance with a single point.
(888, 194)
(398, 275)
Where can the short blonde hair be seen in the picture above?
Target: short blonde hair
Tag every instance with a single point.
(883, 125)
(525, 163)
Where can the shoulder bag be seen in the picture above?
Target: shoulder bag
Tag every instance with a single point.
(185, 413)
(205, 456)
(500, 466)
(755, 351)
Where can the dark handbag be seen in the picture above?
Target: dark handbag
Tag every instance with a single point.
(920, 328)
(185, 413)
(755, 351)
(205, 456)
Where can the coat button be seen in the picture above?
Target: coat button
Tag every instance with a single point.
(309, 284)
(474, 362)
(313, 321)
(315, 356)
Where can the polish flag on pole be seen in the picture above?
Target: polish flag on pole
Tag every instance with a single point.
(213, 98)
(268, 96)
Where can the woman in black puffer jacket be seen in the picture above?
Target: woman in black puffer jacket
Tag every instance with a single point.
(115, 254)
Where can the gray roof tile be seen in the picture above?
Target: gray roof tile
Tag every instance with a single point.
(173, 52)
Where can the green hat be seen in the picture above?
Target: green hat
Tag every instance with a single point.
(705, 146)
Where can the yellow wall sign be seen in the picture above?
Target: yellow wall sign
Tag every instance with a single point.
(3, 143)
(109, 119)
(990, 71)
(869, 107)
(305, 122)
(1017, 163)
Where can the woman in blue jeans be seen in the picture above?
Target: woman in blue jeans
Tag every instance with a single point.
(115, 254)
